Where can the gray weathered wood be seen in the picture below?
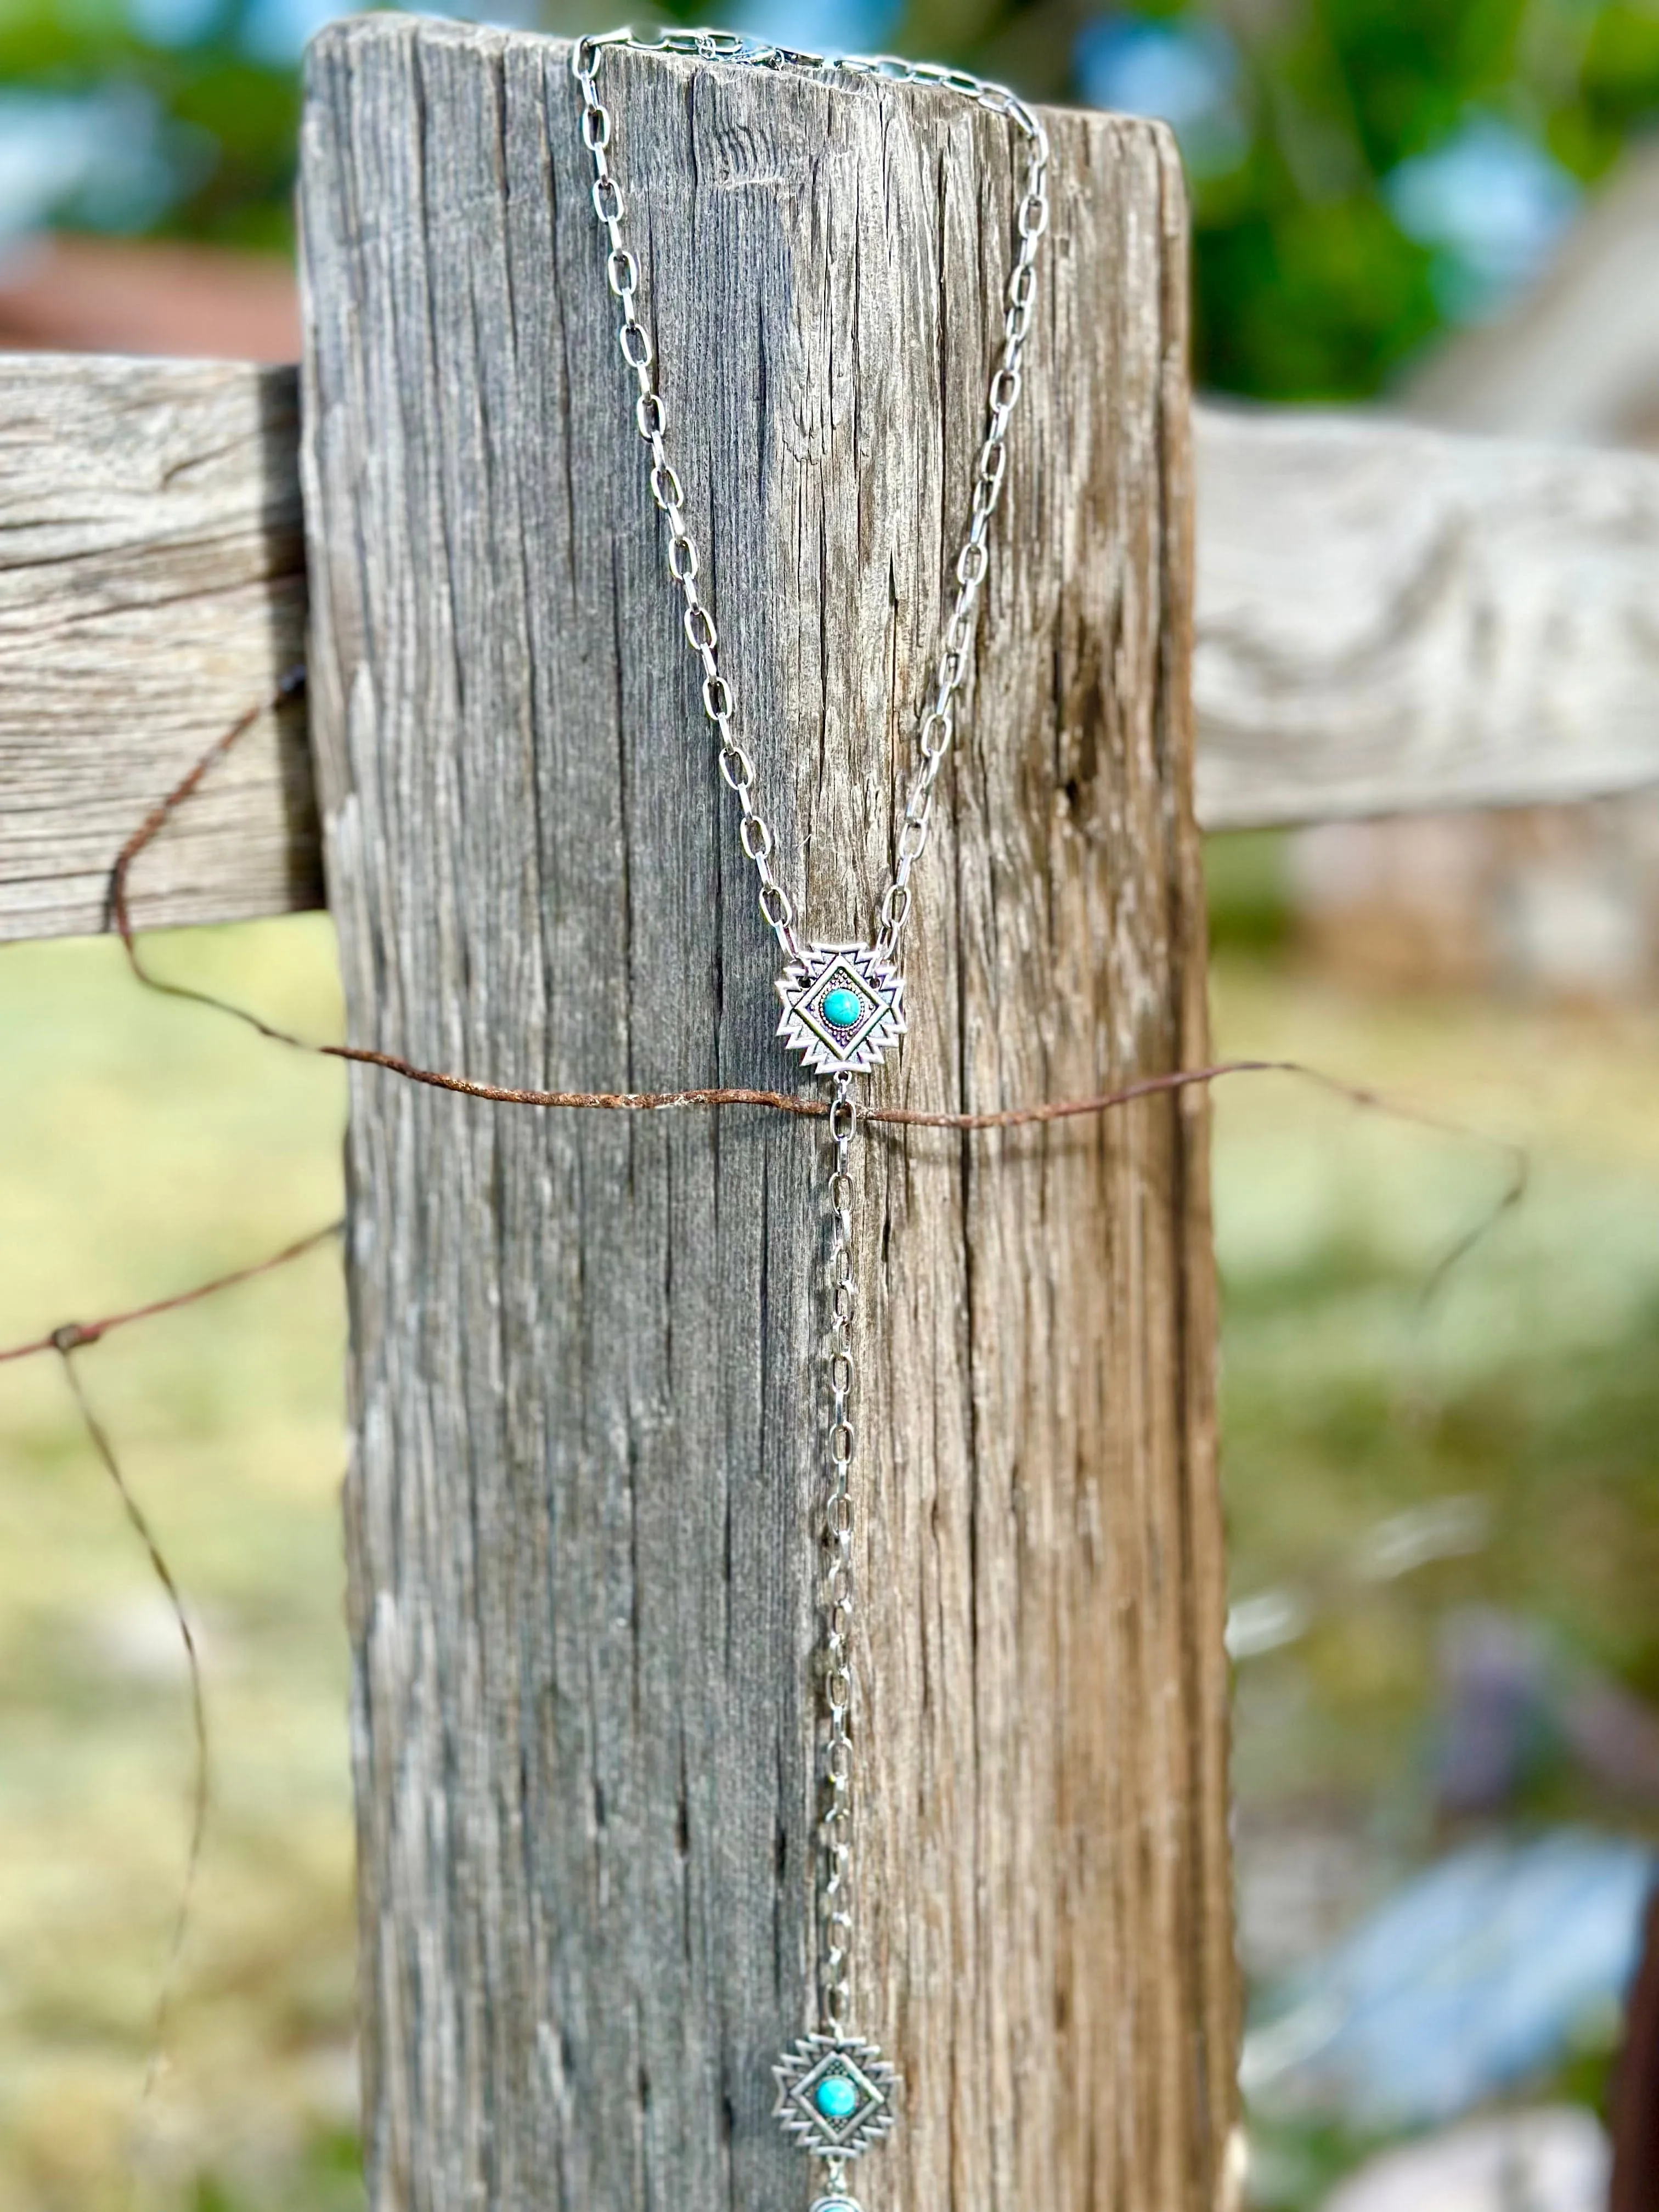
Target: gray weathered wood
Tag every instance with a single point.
(1390, 620)
(581, 1505)
(151, 588)
(1393, 619)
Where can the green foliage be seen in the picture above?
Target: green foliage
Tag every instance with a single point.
(251, 115)
(226, 124)
(1307, 286)
(1246, 891)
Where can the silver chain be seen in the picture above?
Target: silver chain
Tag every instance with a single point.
(935, 732)
(836, 1891)
(938, 724)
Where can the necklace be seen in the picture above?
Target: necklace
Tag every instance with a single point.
(842, 1002)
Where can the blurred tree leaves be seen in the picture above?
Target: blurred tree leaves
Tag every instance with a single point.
(1309, 285)
(1309, 282)
(227, 122)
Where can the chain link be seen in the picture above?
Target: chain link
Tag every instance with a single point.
(835, 1888)
(939, 719)
(650, 419)
(936, 728)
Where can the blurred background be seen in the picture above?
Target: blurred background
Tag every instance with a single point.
(1442, 1491)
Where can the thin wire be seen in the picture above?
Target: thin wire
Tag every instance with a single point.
(651, 1102)
(66, 1342)
(75, 1335)
(72, 1337)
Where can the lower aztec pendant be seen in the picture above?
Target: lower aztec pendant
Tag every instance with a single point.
(843, 1008)
(836, 2098)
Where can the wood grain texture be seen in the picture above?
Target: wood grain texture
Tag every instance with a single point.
(1390, 620)
(1393, 620)
(151, 590)
(582, 1509)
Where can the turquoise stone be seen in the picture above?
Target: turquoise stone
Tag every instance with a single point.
(836, 2097)
(842, 1008)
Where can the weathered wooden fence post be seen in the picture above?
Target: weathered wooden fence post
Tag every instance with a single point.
(581, 1512)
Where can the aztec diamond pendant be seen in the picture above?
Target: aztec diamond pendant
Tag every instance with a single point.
(843, 1008)
(836, 2098)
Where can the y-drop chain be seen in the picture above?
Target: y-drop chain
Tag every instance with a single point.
(835, 1989)
(937, 723)
(843, 1007)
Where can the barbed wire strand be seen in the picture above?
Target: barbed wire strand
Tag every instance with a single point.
(292, 685)
(73, 1337)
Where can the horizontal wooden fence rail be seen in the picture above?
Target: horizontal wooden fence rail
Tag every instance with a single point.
(1394, 619)
(1390, 620)
(152, 587)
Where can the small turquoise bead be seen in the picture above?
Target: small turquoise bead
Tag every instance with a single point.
(836, 2098)
(842, 1008)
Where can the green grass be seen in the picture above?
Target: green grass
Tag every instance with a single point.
(145, 1145)
(1528, 1382)
(148, 1145)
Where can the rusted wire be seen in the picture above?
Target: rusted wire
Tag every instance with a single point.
(75, 1336)
(804, 1105)
(72, 1337)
